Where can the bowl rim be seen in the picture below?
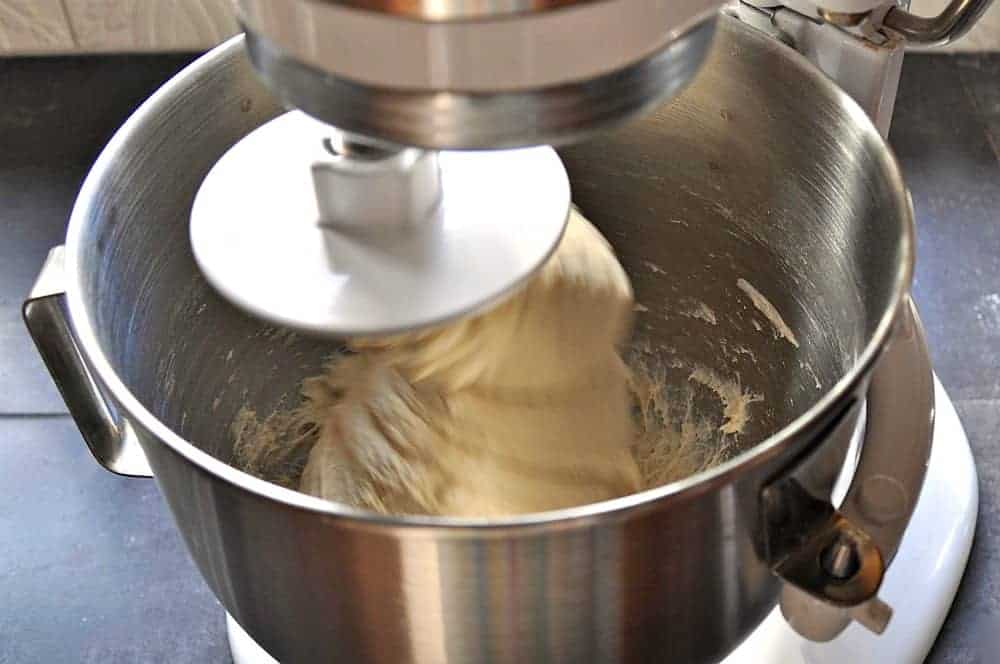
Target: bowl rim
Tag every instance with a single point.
(705, 481)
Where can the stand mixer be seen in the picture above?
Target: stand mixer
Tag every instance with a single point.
(422, 165)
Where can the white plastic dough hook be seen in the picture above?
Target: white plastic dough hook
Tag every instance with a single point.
(301, 226)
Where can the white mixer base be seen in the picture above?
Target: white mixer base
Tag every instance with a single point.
(920, 584)
(243, 648)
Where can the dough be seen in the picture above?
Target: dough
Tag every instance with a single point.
(522, 408)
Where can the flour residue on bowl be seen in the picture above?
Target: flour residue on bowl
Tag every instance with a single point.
(735, 401)
(692, 308)
(678, 432)
(276, 447)
(764, 306)
(654, 268)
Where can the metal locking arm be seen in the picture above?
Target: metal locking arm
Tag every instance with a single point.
(956, 19)
(833, 571)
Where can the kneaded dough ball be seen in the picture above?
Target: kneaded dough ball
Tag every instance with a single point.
(522, 408)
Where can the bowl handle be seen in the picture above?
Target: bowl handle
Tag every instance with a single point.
(110, 438)
(833, 560)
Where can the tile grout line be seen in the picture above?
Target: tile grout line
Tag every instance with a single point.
(34, 416)
(69, 23)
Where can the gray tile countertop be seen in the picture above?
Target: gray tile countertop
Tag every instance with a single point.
(91, 568)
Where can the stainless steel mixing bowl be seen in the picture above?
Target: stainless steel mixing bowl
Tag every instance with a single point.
(762, 170)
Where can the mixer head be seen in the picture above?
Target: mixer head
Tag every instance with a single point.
(336, 224)
(470, 74)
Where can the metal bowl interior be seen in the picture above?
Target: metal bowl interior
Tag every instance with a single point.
(761, 172)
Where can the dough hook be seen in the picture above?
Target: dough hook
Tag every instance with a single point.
(337, 235)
